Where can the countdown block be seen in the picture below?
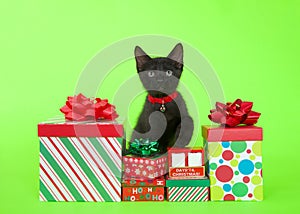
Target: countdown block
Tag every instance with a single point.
(234, 165)
(186, 163)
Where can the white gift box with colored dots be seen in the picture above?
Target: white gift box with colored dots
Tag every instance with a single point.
(234, 166)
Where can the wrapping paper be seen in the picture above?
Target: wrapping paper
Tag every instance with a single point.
(194, 190)
(80, 167)
(143, 190)
(235, 170)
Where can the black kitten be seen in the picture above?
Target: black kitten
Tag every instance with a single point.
(164, 117)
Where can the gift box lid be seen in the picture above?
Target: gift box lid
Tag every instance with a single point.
(62, 128)
(160, 181)
(219, 133)
(185, 149)
(172, 182)
(152, 160)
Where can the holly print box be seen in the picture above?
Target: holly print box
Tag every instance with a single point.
(234, 162)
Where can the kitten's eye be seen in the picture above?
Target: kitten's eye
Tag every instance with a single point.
(169, 73)
(151, 74)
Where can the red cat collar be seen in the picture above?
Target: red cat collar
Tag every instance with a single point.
(163, 100)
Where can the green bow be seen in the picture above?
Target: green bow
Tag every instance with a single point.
(143, 147)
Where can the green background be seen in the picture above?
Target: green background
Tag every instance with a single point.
(253, 46)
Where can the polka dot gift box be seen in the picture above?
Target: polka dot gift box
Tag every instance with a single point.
(234, 162)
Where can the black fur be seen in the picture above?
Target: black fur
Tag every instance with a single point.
(174, 126)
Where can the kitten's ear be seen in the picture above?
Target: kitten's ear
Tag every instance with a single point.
(177, 54)
(140, 57)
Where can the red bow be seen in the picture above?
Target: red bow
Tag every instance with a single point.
(80, 108)
(233, 114)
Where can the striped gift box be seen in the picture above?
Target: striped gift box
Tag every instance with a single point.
(187, 190)
(80, 161)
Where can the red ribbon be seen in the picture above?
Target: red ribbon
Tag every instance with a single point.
(163, 100)
(233, 114)
(80, 108)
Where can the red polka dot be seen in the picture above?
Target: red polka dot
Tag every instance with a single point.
(250, 195)
(246, 179)
(261, 172)
(227, 155)
(224, 173)
(248, 151)
(229, 197)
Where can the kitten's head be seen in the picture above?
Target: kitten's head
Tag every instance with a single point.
(160, 76)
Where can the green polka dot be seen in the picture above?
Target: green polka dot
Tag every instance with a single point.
(234, 163)
(213, 166)
(256, 180)
(258, 165)
(240, 189)
(213, 180)
(256, 148)
(214, 149)
(132, 181)
(258, 193)
(236, 172)
(217, 193)
(252, 157)
(238, 146)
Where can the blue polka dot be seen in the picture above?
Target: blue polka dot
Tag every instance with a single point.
(226, 187)
(246, 167)
(221, 161)
(225, 144)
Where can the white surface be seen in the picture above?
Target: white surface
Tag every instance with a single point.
(195, 159)
(178, 160)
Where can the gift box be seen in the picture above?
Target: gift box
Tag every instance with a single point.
(186, 162)
(80, 161)
(234, 162)
(143, 190)
(144, 168)
(195, 190)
